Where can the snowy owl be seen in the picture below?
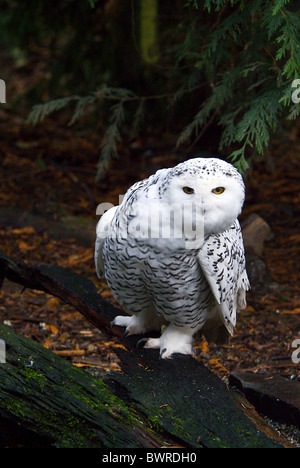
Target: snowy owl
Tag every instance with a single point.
(172, 253)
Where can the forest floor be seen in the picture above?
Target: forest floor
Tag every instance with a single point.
(49, 171)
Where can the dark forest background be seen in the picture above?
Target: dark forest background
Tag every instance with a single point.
(216, 74)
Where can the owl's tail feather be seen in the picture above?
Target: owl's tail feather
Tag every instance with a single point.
(216, 333)
(215, 330)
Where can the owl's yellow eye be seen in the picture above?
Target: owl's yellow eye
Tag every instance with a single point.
(218, 190)
(188, 190)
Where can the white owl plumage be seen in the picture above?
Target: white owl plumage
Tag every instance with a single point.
(172, 253)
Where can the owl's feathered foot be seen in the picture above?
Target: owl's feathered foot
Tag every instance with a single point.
(173, 340)
(139, 323)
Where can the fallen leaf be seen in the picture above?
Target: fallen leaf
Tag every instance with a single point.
(70, 352)
(52, 328)
(24, 230)
(24, 247)
(290, 312)
(53, 304)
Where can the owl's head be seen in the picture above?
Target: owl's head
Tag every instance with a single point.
(212, 185)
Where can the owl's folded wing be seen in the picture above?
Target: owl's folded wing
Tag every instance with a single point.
(222, 259)
(102, 231)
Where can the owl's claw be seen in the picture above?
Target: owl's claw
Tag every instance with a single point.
(162, 352)
(140, 344)
(112, 323)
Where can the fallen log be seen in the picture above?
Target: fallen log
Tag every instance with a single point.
(63, 404)
(273, 395)
(153, 403)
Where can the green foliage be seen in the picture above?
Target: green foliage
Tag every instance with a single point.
(118, 98)
(40, 111)
(249, 58)
(227, 63)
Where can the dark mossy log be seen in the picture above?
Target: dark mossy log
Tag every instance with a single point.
(179, 399)
(67, 406)
(190, 402)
